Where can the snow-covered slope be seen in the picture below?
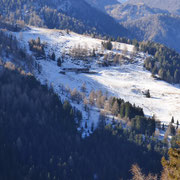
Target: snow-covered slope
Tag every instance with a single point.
(126, 81)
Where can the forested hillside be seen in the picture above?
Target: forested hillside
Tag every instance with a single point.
(164, 61)
(61, 14)
(148, 23)
(10, 48)
(101, 4)
(161, 28)
(131, 12)
(39, 140)
(172, 6)
(36, 129)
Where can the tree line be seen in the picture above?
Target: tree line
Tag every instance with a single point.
(10, 49)
(165, 62)
(46, 14)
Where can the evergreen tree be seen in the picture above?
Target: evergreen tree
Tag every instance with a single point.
(163, 127)
(115, 108)
(172, 130)
(59, 62)
(53, 56)
(102, 121)
(148, 94)
(127, 110)
(122, 110)
(107, 45)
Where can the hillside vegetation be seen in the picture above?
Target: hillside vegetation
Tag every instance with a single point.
(101, 4)
(39, 140)
(61, 14)
(161, 28)
(172, 6)
(132, 12)
(148, 23)
(165, 62)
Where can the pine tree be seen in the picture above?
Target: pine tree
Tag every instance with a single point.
(102, 121)
(127, 110)
(53, 56)
(122, 110)
(172, 130)
(115, 108)
(92, 126)
(86, 126)
(147, 94)
(163, 127)
(107, 45)
(59, 62)
(93, 53)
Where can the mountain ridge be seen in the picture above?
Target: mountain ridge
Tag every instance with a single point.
(159, 28)
(127, 12)
(146, 23)
(62, 14)
(172, 6)
(101, 4)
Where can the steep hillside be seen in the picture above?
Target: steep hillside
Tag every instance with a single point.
(172, 6)
(128, 12)
(164, 29)
(78, 16)
(101, 4)
(147, 23)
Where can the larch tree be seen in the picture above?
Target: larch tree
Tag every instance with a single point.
(172, 166)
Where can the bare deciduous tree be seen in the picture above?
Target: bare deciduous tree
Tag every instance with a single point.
(85, 101)
(92, 97)
(138, 175)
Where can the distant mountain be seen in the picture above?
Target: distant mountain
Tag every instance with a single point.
(172, 6)
(126, 12)
(78, 16)
(164, 29)
(101, 4)
(147, 23)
